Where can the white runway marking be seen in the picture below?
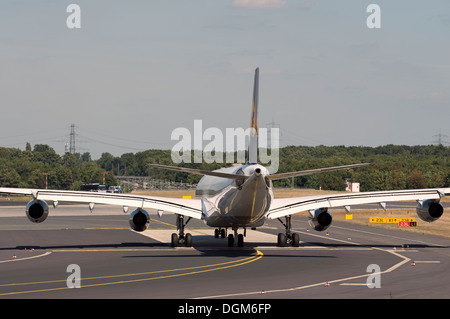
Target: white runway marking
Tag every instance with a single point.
(405, 260)
(353, 284)
(389, 236)
(25, 258)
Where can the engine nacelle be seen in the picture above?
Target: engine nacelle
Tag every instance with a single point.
(320, 219)
(37, 211)
(139, 220)
(429, 210)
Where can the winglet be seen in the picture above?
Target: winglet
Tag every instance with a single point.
(253, 144)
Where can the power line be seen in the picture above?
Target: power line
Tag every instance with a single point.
(110, 144)
(440, 140)
(117, 138)
(271, 126)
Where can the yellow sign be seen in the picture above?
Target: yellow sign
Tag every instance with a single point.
(186, 197)
(392, 220)
(378, 220)
(382, 220)
(348, 216)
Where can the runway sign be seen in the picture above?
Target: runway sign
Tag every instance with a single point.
(407, 224)
(400, 221)
(377, 220)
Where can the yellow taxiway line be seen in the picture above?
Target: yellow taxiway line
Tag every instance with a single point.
(190, 271)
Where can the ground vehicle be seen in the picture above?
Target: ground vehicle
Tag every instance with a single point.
(115, 189)
(94, 187)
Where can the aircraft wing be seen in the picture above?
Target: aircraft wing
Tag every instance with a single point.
(281, 207)
(187, 207)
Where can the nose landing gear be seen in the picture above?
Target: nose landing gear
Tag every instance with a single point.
(240, 238)
(288, 237)
(219, 232)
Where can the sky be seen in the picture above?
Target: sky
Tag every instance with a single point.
(137, 70)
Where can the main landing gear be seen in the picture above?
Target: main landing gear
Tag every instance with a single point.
(181, 237)
(288, 237)
(220, 232)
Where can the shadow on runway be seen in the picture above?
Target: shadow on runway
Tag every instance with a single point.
(211, 245)
(202, 246)
(84, 246)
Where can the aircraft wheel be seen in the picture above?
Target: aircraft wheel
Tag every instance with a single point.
(230, 240)
(281, 240)
(222, 233)
(175, 241)
(188, 240)
(216, 233)
(240, 240)
(295, 240)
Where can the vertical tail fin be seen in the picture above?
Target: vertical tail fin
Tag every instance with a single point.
(253, 144)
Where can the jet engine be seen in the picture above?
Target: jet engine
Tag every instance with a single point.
(320, 219)
(37, 211)
(139, 220)
(429, 210)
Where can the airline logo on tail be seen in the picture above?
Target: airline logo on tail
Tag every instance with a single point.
(254, 124)
(253, 144)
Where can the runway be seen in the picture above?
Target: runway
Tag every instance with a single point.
(115, 262)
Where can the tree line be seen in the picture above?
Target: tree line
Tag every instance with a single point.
(42, 166)
(392, 167)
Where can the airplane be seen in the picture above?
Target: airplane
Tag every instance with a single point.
(237, 197)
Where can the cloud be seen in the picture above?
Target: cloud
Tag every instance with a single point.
(260, 3)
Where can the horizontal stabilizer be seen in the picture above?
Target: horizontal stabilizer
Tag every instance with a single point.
(314, 171)
(198, 171)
